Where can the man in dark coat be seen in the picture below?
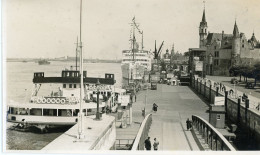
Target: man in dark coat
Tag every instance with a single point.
(147, 144)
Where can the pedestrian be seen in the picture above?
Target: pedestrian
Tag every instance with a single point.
(188, 124)
(155, 106)
(131, 98)
(135, 98)
(155, 144)
(147, 143)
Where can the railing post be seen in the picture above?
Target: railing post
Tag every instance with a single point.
(216, 140)
(238, 111)
(210, 86)
(211, 139)
(246, 109)
(207, 135)
(222, 145)
(226, 99)
(200, 85)
(205, 84)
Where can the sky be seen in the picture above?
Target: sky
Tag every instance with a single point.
(49, 28)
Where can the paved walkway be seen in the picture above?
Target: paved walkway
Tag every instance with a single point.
(176, 104)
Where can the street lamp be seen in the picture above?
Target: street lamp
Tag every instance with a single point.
(97, 114)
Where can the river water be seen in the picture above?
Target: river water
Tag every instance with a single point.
(19, 76)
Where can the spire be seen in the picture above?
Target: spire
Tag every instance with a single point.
(203, 16)
(235, 31)
(203, 21)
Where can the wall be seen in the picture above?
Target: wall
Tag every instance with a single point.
(244, 117)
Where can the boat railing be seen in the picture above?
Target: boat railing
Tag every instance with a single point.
(212, 136)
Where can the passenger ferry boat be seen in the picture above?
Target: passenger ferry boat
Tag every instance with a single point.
(135, 61)
(61, 105)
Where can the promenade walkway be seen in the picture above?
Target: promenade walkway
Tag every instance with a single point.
(176, 104)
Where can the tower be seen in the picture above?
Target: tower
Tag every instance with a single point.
(235, 46)
(203, 30)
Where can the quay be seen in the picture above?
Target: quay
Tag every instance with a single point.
(175, 105)
(168, 125)
(99, 135)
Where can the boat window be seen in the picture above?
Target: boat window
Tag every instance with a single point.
(75, 112)
(70, 85)
(36, 112)
(23, 111)
(64, 85)
(65, 112)
(49, 112)
(75, 86)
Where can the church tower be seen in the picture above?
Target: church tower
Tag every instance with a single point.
(203, 30)
(235, 46)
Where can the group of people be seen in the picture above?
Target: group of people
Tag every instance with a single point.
(148, 146)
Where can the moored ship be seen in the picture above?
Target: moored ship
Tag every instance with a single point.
(135, 61)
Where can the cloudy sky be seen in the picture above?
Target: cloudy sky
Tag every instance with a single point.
(49, 28)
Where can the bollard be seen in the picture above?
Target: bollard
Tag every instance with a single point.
(226, 99)
(238, 111)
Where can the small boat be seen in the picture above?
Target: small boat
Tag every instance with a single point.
(43, 62)
(61, 105)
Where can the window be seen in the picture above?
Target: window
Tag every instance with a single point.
(216, 62)
(216, 53)
(70, 85)
(64, 85)
(218, 117)
(75, 85)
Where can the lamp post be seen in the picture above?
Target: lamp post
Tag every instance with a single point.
(97, 114)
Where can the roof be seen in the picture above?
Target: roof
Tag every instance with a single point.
(216, 36)
(235, 31)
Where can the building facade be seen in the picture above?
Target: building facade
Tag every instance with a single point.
(226, 50)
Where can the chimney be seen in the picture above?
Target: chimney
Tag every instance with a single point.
(222, 34)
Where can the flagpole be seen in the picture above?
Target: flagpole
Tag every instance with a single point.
(80, 120)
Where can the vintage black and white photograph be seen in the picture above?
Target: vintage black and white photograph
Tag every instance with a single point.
(130, 75)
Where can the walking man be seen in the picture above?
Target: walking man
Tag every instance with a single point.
(188, 124)
(155, 144)
(147, 144)
(155, 106)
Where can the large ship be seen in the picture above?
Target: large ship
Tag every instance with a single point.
(136, 61)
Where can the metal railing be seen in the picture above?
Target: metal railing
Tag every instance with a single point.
(124, 144)
(142, 133)
(212, 137)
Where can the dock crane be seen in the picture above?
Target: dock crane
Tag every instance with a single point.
(156, 54)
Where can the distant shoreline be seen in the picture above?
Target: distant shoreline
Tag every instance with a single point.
(63, 60)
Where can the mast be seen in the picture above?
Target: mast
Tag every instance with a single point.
(77, 55)
(133, 39)
(80, 134)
